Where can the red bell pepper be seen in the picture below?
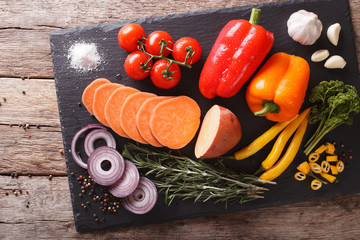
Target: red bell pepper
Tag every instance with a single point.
(238, 51)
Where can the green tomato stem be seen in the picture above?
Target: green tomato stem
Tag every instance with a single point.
(142, 48)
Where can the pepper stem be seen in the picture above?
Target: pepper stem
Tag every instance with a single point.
(255, 15)
(269, 107)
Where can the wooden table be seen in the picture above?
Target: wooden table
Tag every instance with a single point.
(34, 192)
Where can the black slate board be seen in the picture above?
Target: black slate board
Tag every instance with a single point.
(204, 26)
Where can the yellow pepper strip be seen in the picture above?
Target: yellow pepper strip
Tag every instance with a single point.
(328, 177)
(313, 157)
(325, 166)
(340, 166)
(333, 158)
(300, 176)
(321, 149)
(315, 184)
(330, 148)
(282, 140)
(289, 155)
(334, 170)
(261, 141)
(316, 168)
(304, 167)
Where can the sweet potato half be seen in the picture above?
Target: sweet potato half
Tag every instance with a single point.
(220, 131)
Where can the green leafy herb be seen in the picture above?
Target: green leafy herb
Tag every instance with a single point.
(335, 104)
(181, 177)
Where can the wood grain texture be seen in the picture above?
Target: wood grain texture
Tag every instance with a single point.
(24, 44)
(49, 212)
(29, 101)
(31, 151)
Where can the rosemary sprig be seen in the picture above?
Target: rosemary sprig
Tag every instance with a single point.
(181, 177)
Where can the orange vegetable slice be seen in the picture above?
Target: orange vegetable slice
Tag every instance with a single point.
(113, 108)
(128, 114)
(325, 166)
(330, 148)
(300, 176)
(316, 184)
(328, 177)
(88, 94)
(101, 97)
(313, 157)
(174, 122)
(340, 166)
(143, 119)
(316, 168)
(304, 167)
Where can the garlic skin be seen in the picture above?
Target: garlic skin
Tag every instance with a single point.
(304, 27)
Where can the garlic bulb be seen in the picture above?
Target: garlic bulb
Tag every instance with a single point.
(304, 27)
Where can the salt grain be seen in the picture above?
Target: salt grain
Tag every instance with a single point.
(84, 56)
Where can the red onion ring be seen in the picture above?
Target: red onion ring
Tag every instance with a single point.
(100, 156)
(143, 199)
(95, 135)
(127, 184)
(74, 154)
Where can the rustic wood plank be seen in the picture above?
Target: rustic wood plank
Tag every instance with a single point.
(26, 52)
(31, 151)
(68, 13)
(49, 215)
(29, 101)
(35, 150)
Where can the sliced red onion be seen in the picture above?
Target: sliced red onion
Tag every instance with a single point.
(95, 135)
(127, 184)
(143, 199)
(105, 155)
(74, 154)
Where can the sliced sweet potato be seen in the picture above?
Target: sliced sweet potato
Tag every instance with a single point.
(143, 119)
(101, 96)
(113, 108)
(128, 113)
(220, 131)
(174, 122)
(88, 94)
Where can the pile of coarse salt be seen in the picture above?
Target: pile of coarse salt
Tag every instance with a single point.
(84, 56)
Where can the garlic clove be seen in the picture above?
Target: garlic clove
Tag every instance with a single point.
(320, 55)
(335, 61)
(304, 27)
(333, 33)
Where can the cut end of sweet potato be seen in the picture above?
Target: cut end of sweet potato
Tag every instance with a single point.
(219, 133)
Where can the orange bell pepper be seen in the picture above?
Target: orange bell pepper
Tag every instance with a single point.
(278, 89)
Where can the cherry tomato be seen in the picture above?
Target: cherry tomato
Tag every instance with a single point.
(179, 50)
(134, 65)
(158, 74)
(129, 35)
(152, 44)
